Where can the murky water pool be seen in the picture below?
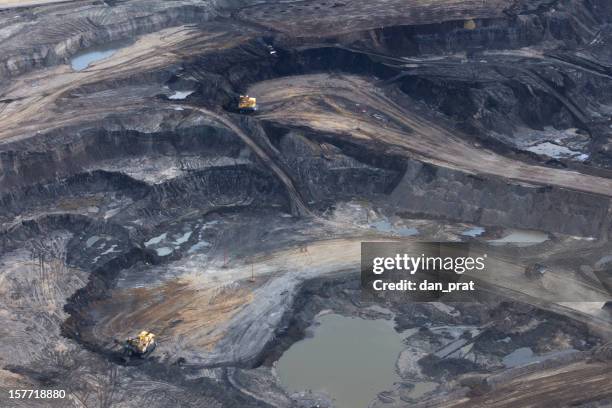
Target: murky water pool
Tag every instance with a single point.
(350, 359)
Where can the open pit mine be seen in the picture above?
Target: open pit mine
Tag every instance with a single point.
(185, 186)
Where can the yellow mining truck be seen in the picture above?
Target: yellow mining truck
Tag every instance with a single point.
(247, 104)
(139, 346)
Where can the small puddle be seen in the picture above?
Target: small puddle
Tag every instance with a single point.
(183, 238)
(348, 358)
(198, 246)
(525, 355)
(156, 240)
(386, 226)
(473, 232)
(557, 152)
(521, 238)
(422, 388)
(520, 356)
(88, 56)
(164, 251)
(179, 95)
(92, 241)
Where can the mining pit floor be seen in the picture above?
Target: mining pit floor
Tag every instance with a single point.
(134, 195)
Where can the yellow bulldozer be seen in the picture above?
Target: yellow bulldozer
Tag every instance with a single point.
(139, 346)
(246, 104)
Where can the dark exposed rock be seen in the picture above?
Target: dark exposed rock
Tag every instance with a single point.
(135, 182)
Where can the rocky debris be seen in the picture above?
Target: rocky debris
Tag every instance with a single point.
(603, 352)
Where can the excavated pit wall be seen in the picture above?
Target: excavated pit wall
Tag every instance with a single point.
(40, 159)
(440, 193)
(460, 197)
(512, 32)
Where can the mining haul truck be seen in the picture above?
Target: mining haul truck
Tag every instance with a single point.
(247, 104)
(139, 346)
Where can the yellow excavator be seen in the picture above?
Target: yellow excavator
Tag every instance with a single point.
(139, 346)
(246, 104)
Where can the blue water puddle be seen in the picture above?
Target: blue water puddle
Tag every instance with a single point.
(179, 95)
(88, 56)
(473, 232)
(198, 246)
(164, 251)
(525, 355)
(183, 238)
(156, 240)
(521, 238)
(386, 226)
